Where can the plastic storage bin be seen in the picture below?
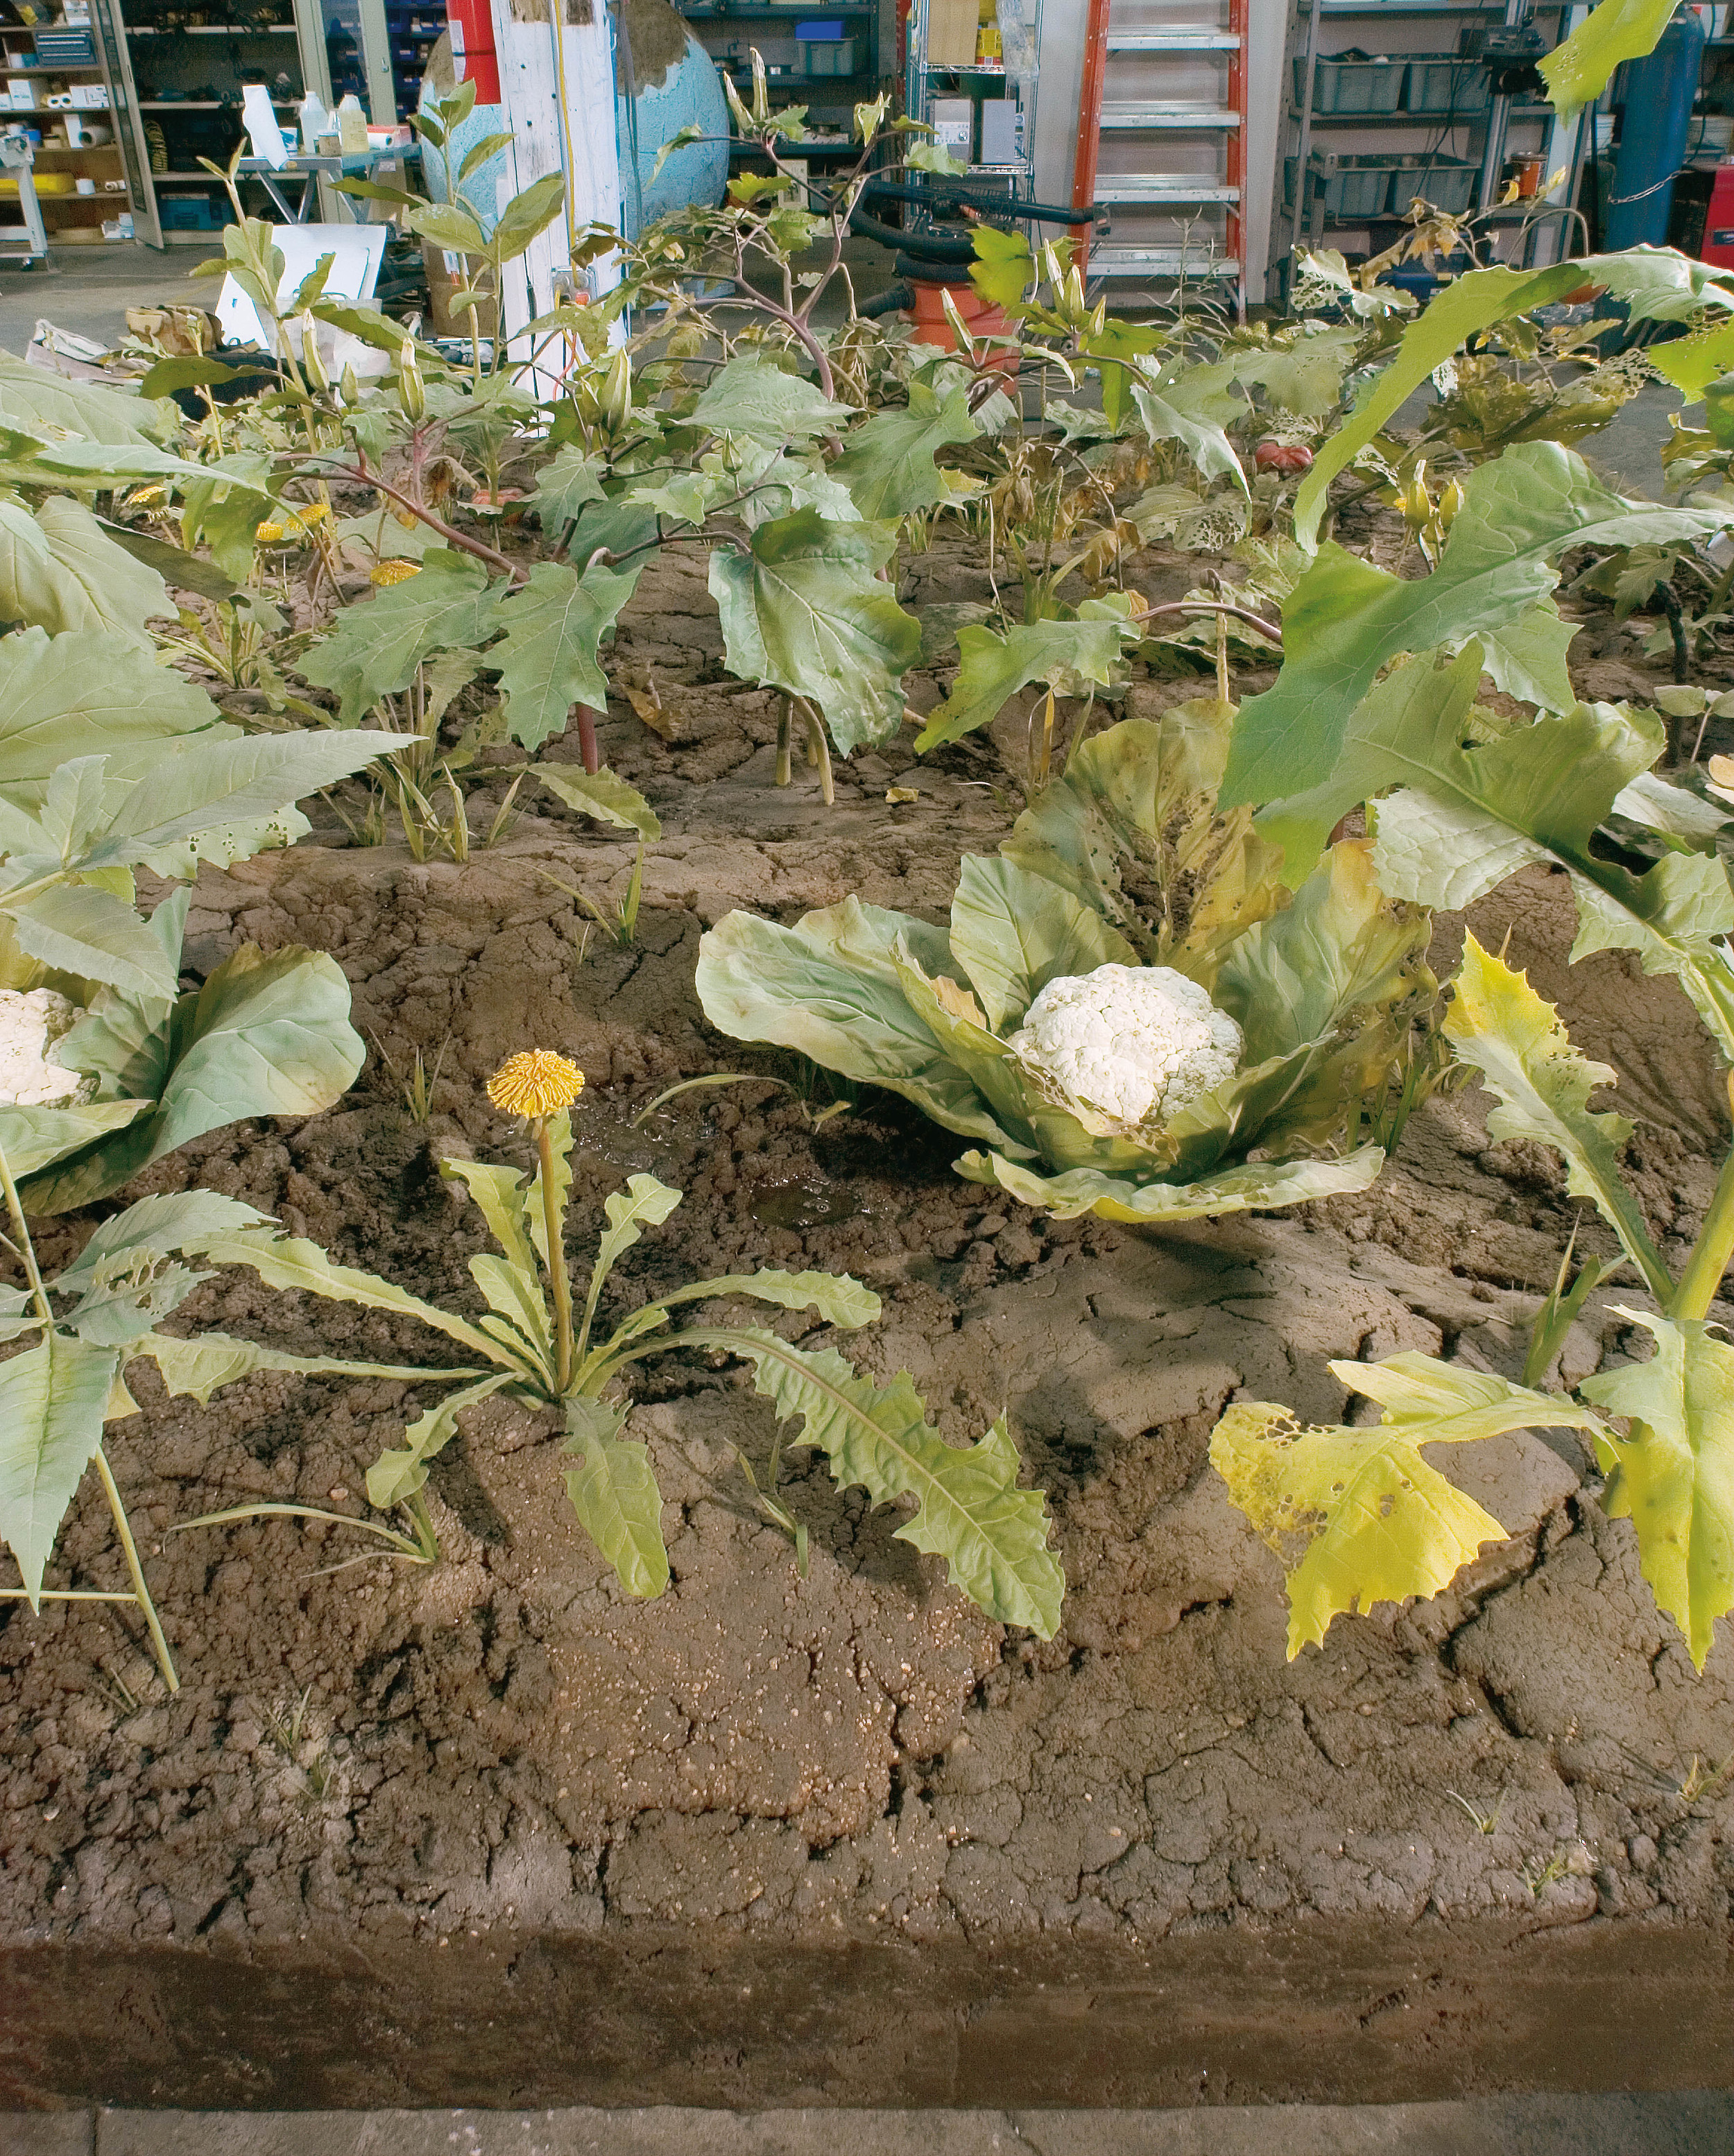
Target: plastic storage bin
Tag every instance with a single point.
(1359, 186)
(1442, 83)
(1448, 184)
(836, 57)
(1351, 86)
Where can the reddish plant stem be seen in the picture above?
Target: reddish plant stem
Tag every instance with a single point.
(453, 537)
(587, 738)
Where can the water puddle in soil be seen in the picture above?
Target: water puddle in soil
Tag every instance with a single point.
(806, 1203)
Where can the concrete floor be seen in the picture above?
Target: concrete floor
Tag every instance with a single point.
(89, 289)
(1699, 2124)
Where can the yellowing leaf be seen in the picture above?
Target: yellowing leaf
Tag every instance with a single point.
(1357, 1516)
(1674, 1472)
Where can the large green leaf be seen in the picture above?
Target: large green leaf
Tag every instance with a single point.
(40, 401)
(752, 397)
(60, 571)
(1655, 283)
(1190, 406)
(398, 1474)
(1578, 68)
(75, 696)
(528, 214)
(1345, 620)
(992, 1535)
(52, 1401)
(292, 1262)
(1673, 1472)
(82, 930)
(613, 1492)
(1013, 932)
(1499, 1023)
(889, 465)
(1527, 660)
(602, 794)
(264, 1036)
(803, 610)
(830, 987)
(995, 667)
(547, 662)
(376, 646)
(563, 485)
(1356, 1515)
(1259, 1186)
(33, 1137)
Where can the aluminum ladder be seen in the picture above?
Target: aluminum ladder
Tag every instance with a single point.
(1161, 188)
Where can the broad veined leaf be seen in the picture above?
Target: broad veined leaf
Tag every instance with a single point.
(60, 571)
(1305, 374)
(33, 1137)
(1003, 268)
(602, 794)
(528, 214)
(201, 1365)
(181, 1220)
(1579, 67)
(1527, 658)
(839, 1299)
(1189, 407)
(290, 1261)
(803, 610)
(1259, 1186)
(547, 662)
(80, 929)
(266, 1035)
(1655, 283)
(1677, 916)
(37, 399)
(992, 1535)
(1013, 932)
(398, 1474)
(448, 226)
(995, 667)
(613, 1492)
(889, 465)
(1356, 1515)
(376, 645)
(52, 1399)
(1498, 1023)
(569, 480)
(175, 566)
(1346, 619)
(830, 987)
(123, 1041)
(69, 695)
(752, 397)
(1692, 363)
(1673, 1473)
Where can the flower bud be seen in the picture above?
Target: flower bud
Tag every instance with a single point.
(412, 390)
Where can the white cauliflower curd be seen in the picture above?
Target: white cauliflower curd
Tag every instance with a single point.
(1125, 1046)
(29, 1026)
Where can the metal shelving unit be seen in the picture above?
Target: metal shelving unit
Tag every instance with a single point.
(1305, 172)
(924, 82)
(730, 33)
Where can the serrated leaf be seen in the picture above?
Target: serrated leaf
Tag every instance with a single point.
(992, 1535)
(1527, 658)
(613, 1492)
(1656, 284)
(181, 1220)
(1345, 620)
(1673, 1473)
(1004, 268)
(376, 646)
(265, 1036)
(1259, 1186)
(399, 1473)
(996, 666)
(889, 465)
(290, 1261)
(52, 1399)
(78, 929)
(1189, 407)
(563, 485)
(73, 696)
(752, 397)
(1499, 1023)
(1356, 1515)
(601, 794)
(803, 610)
(1304, 375)
(60, 571)
(839, 1299)
(547, 662)
(201, 1365)
(1578, 68)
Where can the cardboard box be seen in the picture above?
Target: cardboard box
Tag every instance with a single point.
(90, 97)
(951, 26)
(21, 93)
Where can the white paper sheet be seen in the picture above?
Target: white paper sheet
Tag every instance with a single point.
(262, 125)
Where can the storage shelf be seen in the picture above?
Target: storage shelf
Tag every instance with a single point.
(218, 30)
(202, 105)
(1417, 120)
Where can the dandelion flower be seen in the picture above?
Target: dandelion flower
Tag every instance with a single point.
(268, 534)
(393, 572)
(537, 1083)
(311, 512)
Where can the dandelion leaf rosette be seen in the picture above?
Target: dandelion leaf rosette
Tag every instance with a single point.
(1320, 984)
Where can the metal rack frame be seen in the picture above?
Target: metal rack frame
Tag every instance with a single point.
(1019, 177)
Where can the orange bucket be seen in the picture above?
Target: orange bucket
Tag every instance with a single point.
(980, 317)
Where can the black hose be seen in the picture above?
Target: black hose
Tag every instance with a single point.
(942, 197)
(896, 298)
(931, 246)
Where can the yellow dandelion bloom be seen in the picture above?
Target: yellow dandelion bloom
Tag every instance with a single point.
(268, 534)
(393, 572)
(310, 512)
(148, 497)
(537, 1083)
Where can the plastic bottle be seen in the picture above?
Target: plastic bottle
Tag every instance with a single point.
(353, 126)
(315, 121)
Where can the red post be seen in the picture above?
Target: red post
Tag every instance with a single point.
(1090, 122)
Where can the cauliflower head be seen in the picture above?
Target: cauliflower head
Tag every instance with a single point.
(29, 1026)
(1126, 1046)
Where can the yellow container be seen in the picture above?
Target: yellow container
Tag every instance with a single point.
(47, 183)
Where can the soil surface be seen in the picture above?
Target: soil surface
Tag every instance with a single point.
(496, 1833)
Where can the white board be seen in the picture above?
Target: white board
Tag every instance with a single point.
(360, 248)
